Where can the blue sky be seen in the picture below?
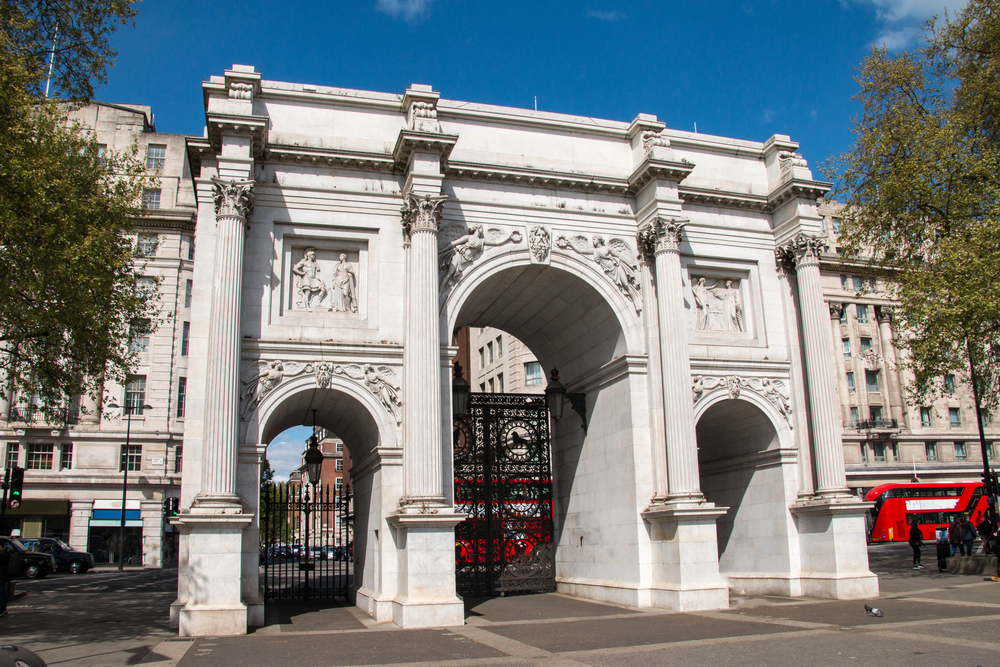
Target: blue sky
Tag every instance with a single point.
(745, 69)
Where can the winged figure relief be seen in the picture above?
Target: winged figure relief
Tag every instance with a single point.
(380, 381)
(614, 258)
(456, 255)
(262, 377)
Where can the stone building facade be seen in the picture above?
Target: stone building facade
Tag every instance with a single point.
(887, 437)
(674, 279)
(73, 477)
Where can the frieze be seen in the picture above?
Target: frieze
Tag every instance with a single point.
(458, 249)
(262, 377)
(772, 389)
(613, 258)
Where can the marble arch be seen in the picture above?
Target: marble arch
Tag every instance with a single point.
(362, 227)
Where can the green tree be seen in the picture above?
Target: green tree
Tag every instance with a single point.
(68, 293)
(921, 183)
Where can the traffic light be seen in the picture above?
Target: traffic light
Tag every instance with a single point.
(16, 482)
(171, 506)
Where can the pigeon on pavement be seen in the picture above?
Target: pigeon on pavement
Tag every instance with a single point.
(873, 611)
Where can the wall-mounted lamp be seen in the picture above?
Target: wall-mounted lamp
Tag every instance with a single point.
(459, 392)
(555, 394)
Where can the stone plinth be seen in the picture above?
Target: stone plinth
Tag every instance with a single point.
(426, 595)
(833, 547)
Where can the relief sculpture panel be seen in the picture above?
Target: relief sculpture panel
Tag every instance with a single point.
(325, 281)
(719, 304)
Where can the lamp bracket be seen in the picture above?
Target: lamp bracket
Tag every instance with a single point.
(579, 404)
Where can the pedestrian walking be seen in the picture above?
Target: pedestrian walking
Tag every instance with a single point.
(916, 542)
(955, 535)
(968, 534)
(985, 530)
(5, 560)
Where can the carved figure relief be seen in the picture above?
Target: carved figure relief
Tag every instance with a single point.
(539, 244)
(458, 255)
(312, 288)
(719, 305)
(261, 378)
(773, 390)
(613, 258)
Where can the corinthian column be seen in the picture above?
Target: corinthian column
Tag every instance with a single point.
(422, 351)
(804, 252)
(234, 203)
(662, 239)
(893, 396)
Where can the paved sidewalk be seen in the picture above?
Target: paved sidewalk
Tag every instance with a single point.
(108, 619)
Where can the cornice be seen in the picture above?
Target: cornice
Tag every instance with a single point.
(329, 157)
(723, 198)
(224, 123)
(410, 141)
(652, 168)
(794, 188)
(197, 148)
(536, 178)
(169, 219)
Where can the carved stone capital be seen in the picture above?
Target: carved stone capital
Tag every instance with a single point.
(421, 214)
(884, 314)
(662, 235)
(233, 198)
(836, 311)
(803, 250)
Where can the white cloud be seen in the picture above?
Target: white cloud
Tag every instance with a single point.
(285, 451)
(408, 10)
(902, 20)
(605, 16)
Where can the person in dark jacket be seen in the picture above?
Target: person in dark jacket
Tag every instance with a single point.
(968, 534)
(985, 530)
(916, 541)
(5, 557)
(955, 535)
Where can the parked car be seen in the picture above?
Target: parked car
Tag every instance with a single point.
(67, 558)
(31, 564)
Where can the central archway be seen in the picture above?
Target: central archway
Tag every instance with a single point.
(572, 318)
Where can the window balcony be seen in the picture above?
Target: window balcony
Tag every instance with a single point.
(873, 425)
(32, 414)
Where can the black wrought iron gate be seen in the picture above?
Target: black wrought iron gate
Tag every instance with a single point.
(307, 542)
(503, 481)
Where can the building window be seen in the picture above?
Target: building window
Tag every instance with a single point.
(181, 395)
(489, 350)
(101, 150)
(499, 347)
(532, 373)
(138, 337)
(190, 242)
(185, 338)
(866, 344)
(339, 485)
(490, 382)
(878, 448)
(930, 451)
(864, 453)
(925, 416)
(949, 384)
(145, 244)
(855, 416)
(482, 387)
(894, 450)
(178, 459)
(156, 157)
(39, 457)
(858, 283)
(13, 452)
(340, 448)
(862, 311)
(482, 358)
(132, 457)
(66, 456)
(875, 413)
(135, 394)
(850, 383)
(843, 315)
(145, 285)
(843, 282)
(188, 290)
(871, 380)
(960, 453)
(340, 465)
(847, 347)
(835, 223)
(151, 199)
(955, 417)
(500, 382)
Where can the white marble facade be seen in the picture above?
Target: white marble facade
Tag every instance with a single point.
(672, 277)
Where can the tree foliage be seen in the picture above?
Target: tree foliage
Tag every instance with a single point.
(68, 295)
(922, 188)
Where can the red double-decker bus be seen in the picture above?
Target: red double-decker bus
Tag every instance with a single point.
(896, 505)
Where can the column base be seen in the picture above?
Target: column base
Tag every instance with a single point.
(686, 556)
(426, 585)
(834, 548)
(213, 621)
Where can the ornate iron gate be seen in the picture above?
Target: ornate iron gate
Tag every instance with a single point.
(307, 542)
(503, 481)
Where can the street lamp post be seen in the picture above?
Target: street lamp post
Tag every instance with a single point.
(314, 467)
(124, 460)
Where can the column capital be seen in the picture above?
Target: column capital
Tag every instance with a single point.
(802, 250)
(234, 197)
(660, 235)
(421, 214)
(884, 314)
(836, 311)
